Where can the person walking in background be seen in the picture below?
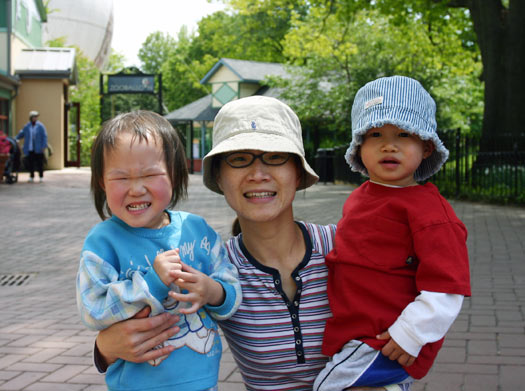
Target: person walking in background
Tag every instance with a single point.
(35, 142)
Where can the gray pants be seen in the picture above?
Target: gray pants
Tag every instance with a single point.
(358, 365)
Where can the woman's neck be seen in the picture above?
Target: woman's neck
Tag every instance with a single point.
(275, 244)
(280, 246)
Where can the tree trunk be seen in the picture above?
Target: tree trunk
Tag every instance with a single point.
(501, 38)
(516, 74)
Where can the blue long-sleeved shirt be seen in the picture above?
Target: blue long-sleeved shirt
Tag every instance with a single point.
(116, 279)
(39, 140)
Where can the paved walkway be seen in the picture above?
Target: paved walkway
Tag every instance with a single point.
(43, 345)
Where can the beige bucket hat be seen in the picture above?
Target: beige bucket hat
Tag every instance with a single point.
(261, 123)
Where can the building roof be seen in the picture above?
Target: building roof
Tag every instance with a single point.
(247, 71)
(199, 110)
(9, 82)
(47, 63)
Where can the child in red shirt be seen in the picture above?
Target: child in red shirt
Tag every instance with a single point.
(399, 270)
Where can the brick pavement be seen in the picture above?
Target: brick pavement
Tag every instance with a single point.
(43, 345)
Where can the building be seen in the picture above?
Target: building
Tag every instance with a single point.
(20, 27)
(230, 79)
(36, 77)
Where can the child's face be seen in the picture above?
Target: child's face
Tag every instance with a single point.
(136, 182)
(392, 155)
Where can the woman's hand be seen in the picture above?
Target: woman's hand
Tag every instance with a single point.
(134, 339)
(201, 288)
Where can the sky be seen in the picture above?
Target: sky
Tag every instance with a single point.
(134, 20)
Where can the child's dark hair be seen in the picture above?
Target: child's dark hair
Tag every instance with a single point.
(141, 124)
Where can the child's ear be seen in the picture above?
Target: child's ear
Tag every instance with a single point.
(428, 148)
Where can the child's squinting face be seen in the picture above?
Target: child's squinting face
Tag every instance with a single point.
(136, 181)
(392, 155)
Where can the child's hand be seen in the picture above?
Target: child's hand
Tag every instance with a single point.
(201, 289)
(166, 263)
(395, 352)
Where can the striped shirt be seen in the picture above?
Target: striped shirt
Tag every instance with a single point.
(275, 341)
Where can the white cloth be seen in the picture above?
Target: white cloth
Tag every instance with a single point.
(427, 319)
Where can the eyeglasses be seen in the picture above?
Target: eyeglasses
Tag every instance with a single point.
(245, 159)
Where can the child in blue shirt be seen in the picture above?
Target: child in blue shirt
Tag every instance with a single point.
(143, 254)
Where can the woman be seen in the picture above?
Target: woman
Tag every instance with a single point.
(258, 163)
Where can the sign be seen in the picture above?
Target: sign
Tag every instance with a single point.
(131, 83)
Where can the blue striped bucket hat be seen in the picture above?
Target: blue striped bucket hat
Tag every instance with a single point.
(402, 102)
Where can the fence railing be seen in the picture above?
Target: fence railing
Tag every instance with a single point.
(497, 176)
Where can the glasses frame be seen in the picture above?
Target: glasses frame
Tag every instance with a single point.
(254, 157)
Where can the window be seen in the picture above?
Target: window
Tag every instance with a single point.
(225, 94)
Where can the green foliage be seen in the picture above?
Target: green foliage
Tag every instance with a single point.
(184, 60)
(155, 51)
(255, 32)
(332, 49)
(343, 45)
(86, 92)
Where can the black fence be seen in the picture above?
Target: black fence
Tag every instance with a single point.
(497, 176)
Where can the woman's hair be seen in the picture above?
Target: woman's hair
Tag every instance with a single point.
(236, 227)
(140, 124)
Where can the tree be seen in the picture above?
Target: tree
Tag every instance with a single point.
(85, 92)
(181, 73)
(494, 27)
(339, 49)
(184, 60)
(155, 51)
(250, 34)
(499, 28)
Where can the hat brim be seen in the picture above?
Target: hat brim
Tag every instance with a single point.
(266, 142)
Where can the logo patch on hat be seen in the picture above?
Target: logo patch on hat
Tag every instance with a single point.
(254, 125)
(374, 102)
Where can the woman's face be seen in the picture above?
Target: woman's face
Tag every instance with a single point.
(260, 193)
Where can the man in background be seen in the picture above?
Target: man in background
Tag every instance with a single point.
(35, 142)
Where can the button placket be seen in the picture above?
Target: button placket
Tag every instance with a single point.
(293, 307)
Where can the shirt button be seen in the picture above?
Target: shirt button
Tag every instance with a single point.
(297, 278)
(299, 353)
(277, 282)
(296, 303)
(294, 316)
(298, 342)
(296, 329)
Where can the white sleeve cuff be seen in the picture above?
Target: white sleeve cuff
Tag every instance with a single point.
(427, 319)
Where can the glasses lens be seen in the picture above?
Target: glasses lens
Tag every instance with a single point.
(239, 159)
(275, 158)
(244, 159)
